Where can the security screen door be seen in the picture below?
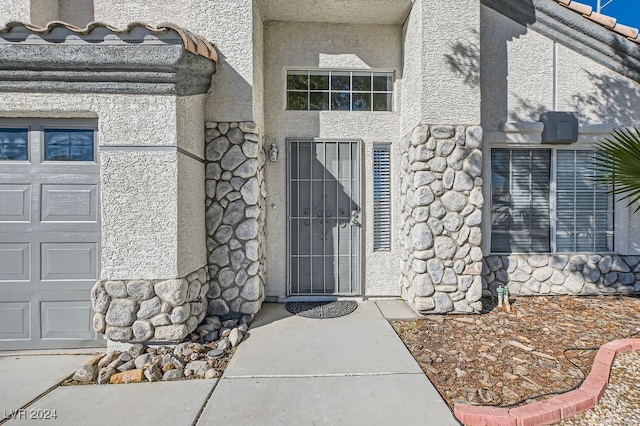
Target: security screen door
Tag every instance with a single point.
(324, 217)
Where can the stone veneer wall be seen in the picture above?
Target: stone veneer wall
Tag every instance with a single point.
(562, 274)
(442, 198)
(150, 310)
(235, 217)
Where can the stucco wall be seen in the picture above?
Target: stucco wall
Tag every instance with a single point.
(16, 10)
(139, 211)
(191, 232)
(122, 12)
(525, 73)
(191, 192)
(229, 24)
(43, 11)
(77, 12)
(308, 45)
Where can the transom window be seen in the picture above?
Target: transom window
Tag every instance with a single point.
(546, 200)
(14, 144)
(339, 91)
(68, 145)
(47, 140)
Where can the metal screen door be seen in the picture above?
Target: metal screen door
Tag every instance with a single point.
(324, 217)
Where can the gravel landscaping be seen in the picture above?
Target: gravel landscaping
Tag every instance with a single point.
(204, 354)
(543, 346)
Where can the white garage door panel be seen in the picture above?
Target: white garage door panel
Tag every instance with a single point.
(67, 320)
(15, 205)
(69, 261)
(15, 321)
(15, 261)
(69, 203)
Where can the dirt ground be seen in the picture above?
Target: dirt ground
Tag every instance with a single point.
(545, 345)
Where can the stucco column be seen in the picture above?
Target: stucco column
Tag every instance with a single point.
(441, 180)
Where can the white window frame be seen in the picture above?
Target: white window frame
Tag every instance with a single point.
(391, 92)
(621, 212)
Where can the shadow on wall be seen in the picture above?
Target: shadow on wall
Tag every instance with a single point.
(612, 99)
(76, 12)
(494, 62)
(230, 95)
(464, 60)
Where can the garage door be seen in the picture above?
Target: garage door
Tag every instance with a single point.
(49, 234)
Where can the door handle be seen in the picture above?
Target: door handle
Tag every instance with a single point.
(355, 218)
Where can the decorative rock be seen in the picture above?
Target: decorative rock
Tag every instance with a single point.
(142, 330)
(172, 291)
(99, 323)
(445, 247)
(121, 312)
(116, 289)
(443, 303)
(423, 304)
(126, 366)
(105, 374)
(86, 374)
(220, 257)
(131, 376)
(161, 319)
(140, 289)
(180, 314)
(421, 237)
(218, 307)
(171, 332)
(142, 360)
(100, 298)
(216, 149)
(149, 308)
(453, 201)
(153, 373)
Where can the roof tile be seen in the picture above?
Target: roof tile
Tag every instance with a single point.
(605, 20)
(194, 43)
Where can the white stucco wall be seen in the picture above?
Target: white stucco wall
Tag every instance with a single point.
(122, 12)
(16, 10)
(191, 193)
(229, 24)
(525, 73)
(449, 96)
(191, 233)
(308, 45)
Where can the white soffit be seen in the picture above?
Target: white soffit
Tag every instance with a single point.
(381, 12)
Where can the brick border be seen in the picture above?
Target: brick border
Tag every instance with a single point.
(556, 408)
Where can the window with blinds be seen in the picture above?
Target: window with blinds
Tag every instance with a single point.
(520, 207)
(530, 215)
(584, 209)
(381, 197)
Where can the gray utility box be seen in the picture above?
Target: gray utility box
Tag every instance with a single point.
(559, 127)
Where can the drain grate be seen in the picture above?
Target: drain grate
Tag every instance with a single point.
(322, 309)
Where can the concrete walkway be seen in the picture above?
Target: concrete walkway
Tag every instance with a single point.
(290, 370)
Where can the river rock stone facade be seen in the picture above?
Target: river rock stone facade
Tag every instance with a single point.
(576, 274)
(235, 217)
(150, 310)
(441, 198)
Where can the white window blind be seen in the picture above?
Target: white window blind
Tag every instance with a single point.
(523, 218)
(381, 197)
(520, 200)
(584, 209)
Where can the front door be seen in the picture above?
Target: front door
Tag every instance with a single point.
(324, 212)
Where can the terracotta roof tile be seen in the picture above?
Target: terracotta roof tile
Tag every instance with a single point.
(605, 20)
(194, 43)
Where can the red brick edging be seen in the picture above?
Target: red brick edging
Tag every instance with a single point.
(559, 407)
